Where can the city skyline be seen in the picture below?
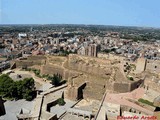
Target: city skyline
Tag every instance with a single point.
(105, 12)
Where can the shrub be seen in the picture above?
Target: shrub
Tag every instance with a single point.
(55, 79)
(130, 78)
(61, 102)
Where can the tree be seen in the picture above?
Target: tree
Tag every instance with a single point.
(55, 79)
(28, 83)
(6, 84)
(18, 90)
(19, 87)
(28, 88)
(28, 95)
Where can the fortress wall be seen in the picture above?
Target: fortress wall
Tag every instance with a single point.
(46, 69)
(30, 61)
(136, 84)
(127, 87)
(153, 65)
(141, 65)
(152, 85)
(72, 93)
(24, 63)
(79, 67)
(49, 105)
(95, 70)
(90, 69)
(37, 57)
(84, 68)
(121, 87)
(48, 116)
(80, 91)
(76, 93)
(68, 74)
(20, 63)
(81, 57)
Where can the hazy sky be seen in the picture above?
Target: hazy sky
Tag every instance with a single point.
(103, 12)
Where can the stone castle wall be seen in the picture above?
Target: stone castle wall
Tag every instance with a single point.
(21, 63)
(121, 87)
(91, 69)
(30, 61)
(136, 84)
(153, 65)
(66, 74)
(75, 93)
(126, 87)
(141, 65)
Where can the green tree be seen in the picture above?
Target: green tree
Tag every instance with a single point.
(55, 79)
(28, 88)
(28, 95)
(18, 90)
(19, 87)
(6, 84)
(28, 83)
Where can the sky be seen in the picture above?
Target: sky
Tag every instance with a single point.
(145, 13)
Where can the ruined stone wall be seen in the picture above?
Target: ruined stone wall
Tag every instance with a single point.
(51, 104)
(48, 116)
(52, 69)
(20, 63)
(53, 117)
(136, 84)
(141, 65)
(30, 61)
(37, 57)
(153, 66)
(80, 91)
(94, 66)
(91, 69)
(126, 87)
(24, 63)
(121, 87)
(68, 74)
(72, 93)
(75, 93)
(152, 85)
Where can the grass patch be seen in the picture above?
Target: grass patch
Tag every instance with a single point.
(146, 102)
